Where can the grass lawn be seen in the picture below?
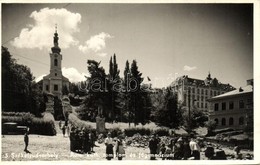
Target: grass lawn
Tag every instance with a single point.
(54, 148)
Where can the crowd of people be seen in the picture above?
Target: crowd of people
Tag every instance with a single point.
(183, 148)
(82, 141)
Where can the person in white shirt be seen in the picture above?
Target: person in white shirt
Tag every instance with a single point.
(109, 147)
(195, 149)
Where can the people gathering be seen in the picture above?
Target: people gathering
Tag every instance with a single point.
(181, 148)
(82, 140)
(177, 147)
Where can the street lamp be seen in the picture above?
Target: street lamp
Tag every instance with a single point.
(189, 110)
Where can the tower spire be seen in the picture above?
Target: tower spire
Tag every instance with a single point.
(56, 48)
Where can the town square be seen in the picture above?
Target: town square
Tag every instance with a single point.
(128, 81)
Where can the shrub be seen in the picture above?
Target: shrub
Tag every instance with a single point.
(41, 126)
(162, 132)
(80, 124)
(142, 131)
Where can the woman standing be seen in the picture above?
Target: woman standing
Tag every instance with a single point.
(120, 151)
(109, 147)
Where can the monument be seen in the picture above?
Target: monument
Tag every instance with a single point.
(100, 120)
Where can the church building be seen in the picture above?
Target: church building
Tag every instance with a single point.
(55, 82)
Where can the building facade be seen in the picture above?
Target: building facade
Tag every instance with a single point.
(194, 93)
(55, 82)
(233, 109)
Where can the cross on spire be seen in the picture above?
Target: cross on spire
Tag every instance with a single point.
(55, 27)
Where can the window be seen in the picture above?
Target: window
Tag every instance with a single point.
(202, 91)
(241, 104)
(206, 105)
(210, 93)
(218, 92)
(224, 106)
(223, 121)
(231, 105)
(215, 93)
(198, 98)
(55, 62)
(216, 121)
(202, 98)
(198, 91)
(241, 121)
(198, 104)
(47, 87)
(231, 121)
(193, 90)
(216, 107)
(56, 87)
(202, 105)
(55, 74)
(206, 91)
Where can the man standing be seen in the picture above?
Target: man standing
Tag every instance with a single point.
(26, 141)
(153, 147)
(195, 149)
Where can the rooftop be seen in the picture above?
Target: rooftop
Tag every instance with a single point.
(239, 91)
(208, 82)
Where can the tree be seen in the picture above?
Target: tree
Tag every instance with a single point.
(139, 101)
(169, 112)
(97, 95)
(19, 91)
(113, 80)
(197, 117)
(65, 90)
(211, 125)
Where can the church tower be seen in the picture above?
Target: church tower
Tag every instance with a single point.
(55, 82)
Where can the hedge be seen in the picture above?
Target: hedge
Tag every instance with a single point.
(142, 131)
(80, 124)
(41, 126)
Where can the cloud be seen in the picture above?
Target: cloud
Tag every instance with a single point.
(40, 78)
(73, 74)
(189, 68)
(96, 43)
(40, 33)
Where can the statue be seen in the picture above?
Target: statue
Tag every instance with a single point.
(100, 120)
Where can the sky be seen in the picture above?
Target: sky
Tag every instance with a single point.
(166, 40)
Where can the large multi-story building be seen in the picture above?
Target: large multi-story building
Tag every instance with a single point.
(54, 82)
(233, 109)
(198, 91)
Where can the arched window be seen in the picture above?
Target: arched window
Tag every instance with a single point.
(216, 121)
(223, 121)
(231, 121)
(55, 62)
(241, 121)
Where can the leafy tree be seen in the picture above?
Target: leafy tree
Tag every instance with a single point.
(96, 95)
(211, 125)
(65, 90)
(197, 118)
(19, 91)
(169, 112)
